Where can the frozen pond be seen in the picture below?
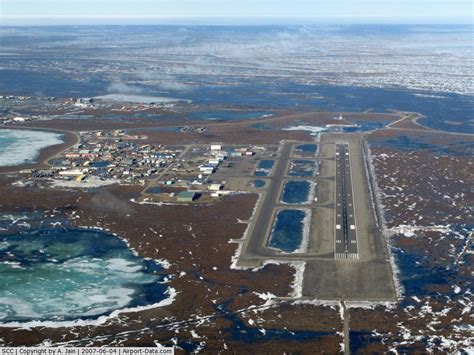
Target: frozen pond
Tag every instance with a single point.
(19, 146)
(258, 183)
(66, 274)
(302, 168)
(264, 168)
(306, 150)
(288, 231)
(296, 191)
(228, 115)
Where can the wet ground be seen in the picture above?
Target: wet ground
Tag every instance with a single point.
(425, 191)
(199, 269)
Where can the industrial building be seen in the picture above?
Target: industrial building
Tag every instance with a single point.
(186, 196)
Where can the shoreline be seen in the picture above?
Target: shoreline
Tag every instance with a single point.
(45, 154)
(170, 296)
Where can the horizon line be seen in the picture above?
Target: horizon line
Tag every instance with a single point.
(222, 21)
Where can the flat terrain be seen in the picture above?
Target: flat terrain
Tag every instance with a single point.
(364, 272)
(369, 277)
(346, 236)
(225, 308)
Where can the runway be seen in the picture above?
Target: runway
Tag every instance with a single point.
(345, 222)
(355, 267)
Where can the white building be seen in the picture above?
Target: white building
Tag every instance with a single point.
(214, 162)
(215, 187)
(206, 170)
(71, 172)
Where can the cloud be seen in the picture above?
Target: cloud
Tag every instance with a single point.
(163, 81)
(119, 87)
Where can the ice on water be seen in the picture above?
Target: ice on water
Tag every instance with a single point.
(61, 275)
(23, 146)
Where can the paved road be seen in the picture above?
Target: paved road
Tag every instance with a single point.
(346, 238)
(270, 198)
(159, 177)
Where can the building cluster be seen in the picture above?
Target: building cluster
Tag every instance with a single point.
(111, 155)
(193, 177)
(120, 104)
(83, 102)
(21, 109)
(200, 129)
(219, 155)
(14, 97)
(171, 173)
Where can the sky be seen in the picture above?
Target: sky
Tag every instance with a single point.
(234, 11)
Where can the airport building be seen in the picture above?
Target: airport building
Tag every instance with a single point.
(186, 196)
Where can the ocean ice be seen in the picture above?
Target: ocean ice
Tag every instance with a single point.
(18, 146)
(80, 286)
(123, 265)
